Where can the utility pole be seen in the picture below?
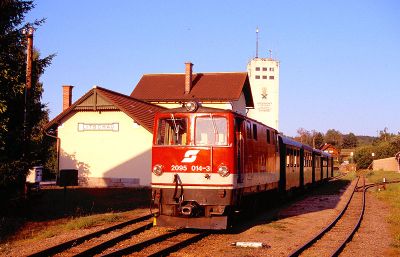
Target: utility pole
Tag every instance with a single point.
(29, 52)
(257, 42)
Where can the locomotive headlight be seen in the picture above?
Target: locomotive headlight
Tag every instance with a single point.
(223, 171)
(158, 169)
(191, 106)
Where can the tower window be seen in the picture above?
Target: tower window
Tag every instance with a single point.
(265, 68)
(271, 69)
(264, 77)
(257, 68)
(257, 77)
(271, 77)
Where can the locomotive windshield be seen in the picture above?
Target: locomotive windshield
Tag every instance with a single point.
(211, 131)
(172, 131)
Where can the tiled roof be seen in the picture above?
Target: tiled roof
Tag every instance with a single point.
(212, 87)
(326, 146)
(140, 111)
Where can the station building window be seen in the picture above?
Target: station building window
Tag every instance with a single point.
(257, 76)
(264, 77)
(271, 77)
(257, 68)
(264, 68)
(271, 69)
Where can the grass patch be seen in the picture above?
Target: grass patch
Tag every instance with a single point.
(78, 223)
(91, 221)
(278, 226)
(392, 197)
(55, 204)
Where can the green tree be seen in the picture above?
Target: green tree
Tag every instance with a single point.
(349, 141)
(319, 139)
(334, 137)
(304, 136)
(363, 156)
(17, 153)
(381, 149)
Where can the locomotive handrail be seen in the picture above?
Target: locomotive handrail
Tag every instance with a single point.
(177, 181)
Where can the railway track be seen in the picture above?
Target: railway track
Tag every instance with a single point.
(67, 246)
(337, 177)
(92, 244)
(331, 240)
(162, 245)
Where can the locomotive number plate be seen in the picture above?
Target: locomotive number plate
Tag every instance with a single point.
(194, 168)
(178, 168)
(201, 168)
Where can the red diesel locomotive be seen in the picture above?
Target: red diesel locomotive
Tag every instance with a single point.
(206, 162)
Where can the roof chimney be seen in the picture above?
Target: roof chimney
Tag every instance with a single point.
(188, 77)
(67, 96)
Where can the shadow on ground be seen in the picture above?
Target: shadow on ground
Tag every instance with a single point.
(54, 203)
(275, 207)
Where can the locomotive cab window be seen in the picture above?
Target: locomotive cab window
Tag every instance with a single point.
(211, 131)
(172, 131)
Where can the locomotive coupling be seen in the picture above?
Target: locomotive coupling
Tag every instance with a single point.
(190, 209)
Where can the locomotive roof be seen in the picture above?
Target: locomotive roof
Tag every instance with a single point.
(201, 109)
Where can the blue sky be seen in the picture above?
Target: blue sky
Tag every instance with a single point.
(339, 59)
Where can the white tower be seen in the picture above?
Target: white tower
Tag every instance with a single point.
(264, 83)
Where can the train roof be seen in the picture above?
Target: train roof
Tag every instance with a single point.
(307, 147)
(288, 141)
(325, 154)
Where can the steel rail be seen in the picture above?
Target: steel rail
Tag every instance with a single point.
(342, 174)
(354, 230)
(350, 236)
(308, 244)
(380, 184)
(180, 245)
(66, 245)
(109, 243)
(139, 246)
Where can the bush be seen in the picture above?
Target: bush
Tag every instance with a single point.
(382, 149)
(363, 156)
